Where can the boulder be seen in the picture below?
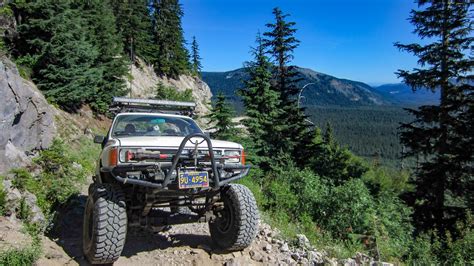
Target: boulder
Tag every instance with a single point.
(26, 118)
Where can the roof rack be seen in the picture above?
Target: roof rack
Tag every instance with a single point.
(124, 105)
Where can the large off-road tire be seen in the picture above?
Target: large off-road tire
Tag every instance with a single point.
(105, 224)
(236, 225)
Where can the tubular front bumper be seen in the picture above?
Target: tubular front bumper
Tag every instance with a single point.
(217, 180)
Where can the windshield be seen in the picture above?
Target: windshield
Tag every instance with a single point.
(153, 125)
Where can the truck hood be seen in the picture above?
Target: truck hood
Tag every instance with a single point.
(173, 142)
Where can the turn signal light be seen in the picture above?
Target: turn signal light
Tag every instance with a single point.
(113, 157)
(242, 157)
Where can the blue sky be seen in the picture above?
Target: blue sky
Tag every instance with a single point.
(350, 39)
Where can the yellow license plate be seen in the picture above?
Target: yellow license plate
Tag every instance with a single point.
(193, 180)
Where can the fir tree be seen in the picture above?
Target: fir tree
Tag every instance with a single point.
(261, 105)
(134, 25)
(54, 37)
(221, 119)
(172, 58)
(291, 126)
(332, 162)
(195, 58)
(103, 35)
(442, 135)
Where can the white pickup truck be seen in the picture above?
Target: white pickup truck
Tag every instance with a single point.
(158, 168)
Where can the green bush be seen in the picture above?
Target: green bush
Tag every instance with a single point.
(24, 211)
(60, 178)
(348, 209)
(27, 255)
(20, 257)
(3, 200)
(170, 93)
(421, 252)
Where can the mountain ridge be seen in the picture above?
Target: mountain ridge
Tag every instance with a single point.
(328, 90)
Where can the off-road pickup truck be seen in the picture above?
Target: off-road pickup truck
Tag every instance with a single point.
(158, 168)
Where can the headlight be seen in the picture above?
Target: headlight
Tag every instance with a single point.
(232, 156)
(127, 155)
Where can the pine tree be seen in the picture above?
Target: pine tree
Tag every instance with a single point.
(134, 25)
(221, 119)
(261, 105)
(172, 57)
(195, 58)
(292, 126)
(54, 37)
(330, 161)
(103, 35)
(442, 135)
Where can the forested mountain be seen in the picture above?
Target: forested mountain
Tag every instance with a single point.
(327, 90)
(401, 93)
(368, 131)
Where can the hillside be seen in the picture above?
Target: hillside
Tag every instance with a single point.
(326, 91)
(402, 94)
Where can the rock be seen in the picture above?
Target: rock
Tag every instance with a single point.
(36, 215)
(145, 80)
(76, 166)
(284, 248)
(304, 261)
(315, 257)
(348, 262)
(12, 198)
(362, 258)
(330, 261)
(267, 248)
(379, 263)
(303, 241)
(295, 256)
(26, 118)
(256, 256)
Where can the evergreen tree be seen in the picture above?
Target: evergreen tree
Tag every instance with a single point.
(291, 126)
(134, 25)
(103, 35)
(221, 119)
(332, 162)
(442, 135)
(261, 105)
(54, 37)
(195, 58)
(172, 58)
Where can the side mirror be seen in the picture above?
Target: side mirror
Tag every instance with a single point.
(99, 139)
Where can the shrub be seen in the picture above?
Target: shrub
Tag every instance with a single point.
(25, 256)
(391, 227)
(59, 180)
(3, 200)
(348, 209)
(170, 93)
(24, 211)
(422, 252)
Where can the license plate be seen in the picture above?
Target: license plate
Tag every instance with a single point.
(193, 180)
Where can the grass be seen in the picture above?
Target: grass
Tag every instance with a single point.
(26, 255)
(289, 228)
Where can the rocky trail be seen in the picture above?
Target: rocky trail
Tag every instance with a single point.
(188, 244)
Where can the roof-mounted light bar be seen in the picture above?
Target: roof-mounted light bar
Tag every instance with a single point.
(124, 100)
(123, 104)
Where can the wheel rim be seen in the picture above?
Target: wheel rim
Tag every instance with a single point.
(224, 223)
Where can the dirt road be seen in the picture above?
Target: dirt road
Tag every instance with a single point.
(188, 244)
